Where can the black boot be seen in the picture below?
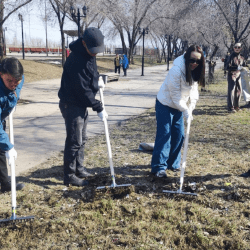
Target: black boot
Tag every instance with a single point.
(7, 187)
(82, 173)
(246, 175)
(75, 181)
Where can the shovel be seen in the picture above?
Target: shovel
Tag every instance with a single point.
(113, 185)
(183, 166)
(13, 217)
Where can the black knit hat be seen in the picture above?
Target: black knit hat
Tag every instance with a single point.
(93, 38)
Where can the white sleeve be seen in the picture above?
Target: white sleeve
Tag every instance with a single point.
(175, 89)
(194, 94)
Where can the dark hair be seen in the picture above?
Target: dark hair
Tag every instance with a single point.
(198, 74)
(12, 66)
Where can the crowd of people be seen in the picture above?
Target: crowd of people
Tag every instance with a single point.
(80, 83)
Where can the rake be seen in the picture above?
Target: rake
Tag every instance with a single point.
(183, 166)
(113, 185)
(13, 217)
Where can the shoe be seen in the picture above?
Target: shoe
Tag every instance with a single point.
(238, 109)
(75, 181)
(161, 174)
(7, 187)
(84, 173)
(246, 175)
(232, 110)
(176, 169)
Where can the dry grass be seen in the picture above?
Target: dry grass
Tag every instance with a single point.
(42, 70)
(143, 217)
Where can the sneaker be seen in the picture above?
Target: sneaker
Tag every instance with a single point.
(246, 175)
(161, 174)
(7, 187)
(238, 109)
(232, 110)
(75, 181)
(84, 174)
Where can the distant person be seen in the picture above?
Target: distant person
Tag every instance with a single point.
(11, 83)
(234, 64)
(117, 63)
(67, 52)
(179, 87)
(225, 63)
(125, 64)
(79, 85)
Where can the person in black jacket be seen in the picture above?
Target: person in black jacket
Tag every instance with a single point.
(234, 64)
(79, 85)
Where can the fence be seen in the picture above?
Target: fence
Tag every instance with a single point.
(35, 50)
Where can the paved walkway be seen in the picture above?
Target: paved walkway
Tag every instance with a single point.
(39, 127)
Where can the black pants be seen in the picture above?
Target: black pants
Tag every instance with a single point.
(234, 92)
(117, 68)
(3, 164)
(125, 71)
(76, 120)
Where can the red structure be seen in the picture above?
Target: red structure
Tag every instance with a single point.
(35, 50)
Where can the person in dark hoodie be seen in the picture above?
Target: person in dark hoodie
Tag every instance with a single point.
(234, 64)
(79, 85)
(11, 82)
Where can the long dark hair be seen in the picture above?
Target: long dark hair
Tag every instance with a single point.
(198, 74)
(12, 66)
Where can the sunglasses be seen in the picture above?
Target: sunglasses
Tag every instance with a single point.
(197, 61)
(237, 47)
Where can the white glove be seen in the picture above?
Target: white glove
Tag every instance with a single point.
(191, 107)
(11, 155)
(188, 114)
(101, 83)
(239, 67)
(103, 115)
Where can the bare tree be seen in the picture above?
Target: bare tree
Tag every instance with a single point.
(7, 8)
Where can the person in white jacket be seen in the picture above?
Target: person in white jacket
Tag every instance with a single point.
(176, 98)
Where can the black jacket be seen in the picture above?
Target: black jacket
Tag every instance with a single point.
(234, 61)
(79, 83)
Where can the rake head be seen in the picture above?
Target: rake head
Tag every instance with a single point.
(17, 219)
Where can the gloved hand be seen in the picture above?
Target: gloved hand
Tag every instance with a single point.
(188, 114)
(11, 155)
(103, 115)
(239, 67)
(101, 83)
(191, 107)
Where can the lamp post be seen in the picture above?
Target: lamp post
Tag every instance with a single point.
(78, 16)
(143, 32)
(21, 19)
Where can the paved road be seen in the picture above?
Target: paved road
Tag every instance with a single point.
(39, 127)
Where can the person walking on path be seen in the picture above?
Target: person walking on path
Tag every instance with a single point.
(235, 63)
(11, 82)
(79, 85)
(117, 63)
(125, 64)
(179, 87)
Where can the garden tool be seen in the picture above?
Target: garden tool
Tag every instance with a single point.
(113, 185)
(13, 217)
(183, 166)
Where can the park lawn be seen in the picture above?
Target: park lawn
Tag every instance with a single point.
(143, 217)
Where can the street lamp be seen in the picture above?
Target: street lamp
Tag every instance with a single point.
(78, 16)
(143, 32)
(21, 19)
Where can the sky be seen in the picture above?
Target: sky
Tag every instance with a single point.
(33, 27)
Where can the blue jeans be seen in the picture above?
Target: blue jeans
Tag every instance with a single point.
(169, 138)
(76, 120)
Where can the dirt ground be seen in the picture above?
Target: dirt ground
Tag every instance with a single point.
(142, 216)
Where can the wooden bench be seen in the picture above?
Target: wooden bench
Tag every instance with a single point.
(110, 76)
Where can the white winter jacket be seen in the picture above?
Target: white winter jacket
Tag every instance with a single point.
(175, 91)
